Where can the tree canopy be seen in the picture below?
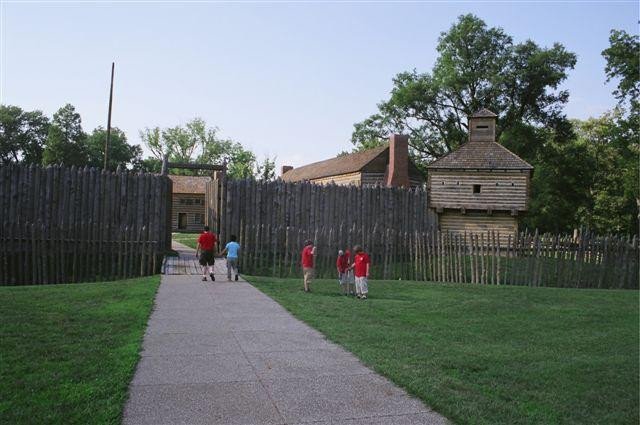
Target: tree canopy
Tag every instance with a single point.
(66, 141)
(477, 67)
(121, 153)
(196, 142)
(22, 135)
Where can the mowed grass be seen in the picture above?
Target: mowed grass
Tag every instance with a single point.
(188, 239)
(68, 352)
(487, 354)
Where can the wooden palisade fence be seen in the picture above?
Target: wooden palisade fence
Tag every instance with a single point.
(586, 261)
(64, 224)
(232, 204)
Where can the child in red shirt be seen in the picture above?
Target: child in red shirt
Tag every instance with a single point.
(206, 242)
(342, 264)
(361, 265)
(307, 264)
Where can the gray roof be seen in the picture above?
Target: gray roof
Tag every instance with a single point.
(481, 155)
(484, 113)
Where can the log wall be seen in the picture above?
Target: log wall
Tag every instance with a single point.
(498, 191)
(61, 224)
(233, 204)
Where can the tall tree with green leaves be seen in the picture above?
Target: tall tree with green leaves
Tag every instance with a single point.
(266, 170)
(120, 152)
(66, 141)
(196, 142)
(614, 168)
(477, 67)
(22, 135)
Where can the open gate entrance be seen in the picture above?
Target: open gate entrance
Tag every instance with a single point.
(212, 204)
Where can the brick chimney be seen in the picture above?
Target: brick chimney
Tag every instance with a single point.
(398, 173)
(284, 169)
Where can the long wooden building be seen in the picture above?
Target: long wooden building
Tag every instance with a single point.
(481, 186)
(387, 165)
(187, 203)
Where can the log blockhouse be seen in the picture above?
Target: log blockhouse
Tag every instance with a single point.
(187, 203)
(481, 186)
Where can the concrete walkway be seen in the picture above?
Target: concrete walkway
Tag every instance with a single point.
(225, 353)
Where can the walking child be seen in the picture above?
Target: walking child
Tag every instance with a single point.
(361, 265)
(206, 242)
(342, 264)
(232, 249)
(308, 253)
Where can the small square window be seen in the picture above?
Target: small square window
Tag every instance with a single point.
(476, 188)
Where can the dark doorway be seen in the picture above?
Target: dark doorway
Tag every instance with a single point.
(182, 221)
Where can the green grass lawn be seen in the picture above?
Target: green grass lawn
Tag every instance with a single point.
(68, 352)
(487, 355)
(188, 239)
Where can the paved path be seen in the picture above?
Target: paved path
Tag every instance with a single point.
(225, 353)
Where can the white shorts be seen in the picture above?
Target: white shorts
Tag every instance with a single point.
(362, 286)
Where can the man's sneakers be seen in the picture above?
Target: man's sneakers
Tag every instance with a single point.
(204, 278)
(236, 278)
(213, 278)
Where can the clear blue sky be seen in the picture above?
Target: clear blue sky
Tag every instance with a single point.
(284, 79)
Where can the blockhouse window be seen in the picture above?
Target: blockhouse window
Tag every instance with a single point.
(476, 188)
(484, 127)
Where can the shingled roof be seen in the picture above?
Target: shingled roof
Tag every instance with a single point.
(481, 155)
(345, 164)
(484, 113)
(189, 184)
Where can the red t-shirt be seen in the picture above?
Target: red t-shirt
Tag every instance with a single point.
(307, 257)
(361, 260)
(207, 240)
(347, 255)
(342, 263)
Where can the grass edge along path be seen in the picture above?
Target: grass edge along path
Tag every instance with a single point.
(188, 239)
(487, 354)
(68, 352)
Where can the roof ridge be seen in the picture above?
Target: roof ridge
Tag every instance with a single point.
(357, 163)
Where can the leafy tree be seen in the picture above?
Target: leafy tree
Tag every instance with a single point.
(614, 187)
(477, 67)
(195, 142)
(22, 135)
(560, 184)
(623, 64)
(266, 170)
(66, 141)
(151, 165)
(120, 152)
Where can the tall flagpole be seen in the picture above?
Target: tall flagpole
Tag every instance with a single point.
(108, 141)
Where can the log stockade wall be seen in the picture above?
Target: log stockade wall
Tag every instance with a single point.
(235, 204)
(65, 224)
(584, 261)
